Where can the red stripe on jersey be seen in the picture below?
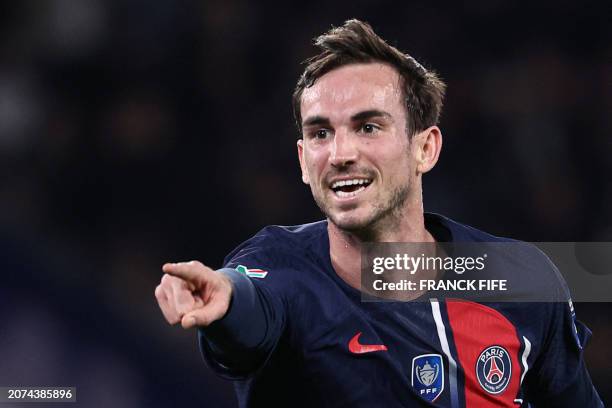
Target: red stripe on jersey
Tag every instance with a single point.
(476, 327)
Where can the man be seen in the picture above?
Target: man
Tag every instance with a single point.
(284, 318)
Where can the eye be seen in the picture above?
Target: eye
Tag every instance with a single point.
(320, 134)
(369, 128)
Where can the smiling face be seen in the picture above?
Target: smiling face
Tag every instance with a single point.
(355, 153)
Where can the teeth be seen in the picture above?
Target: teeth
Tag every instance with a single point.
(343, 194)
(342, 183)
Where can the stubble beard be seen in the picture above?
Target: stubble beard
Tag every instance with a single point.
(385, 216)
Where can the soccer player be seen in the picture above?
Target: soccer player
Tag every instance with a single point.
(284, 318)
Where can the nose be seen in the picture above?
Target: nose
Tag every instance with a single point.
(344, 150)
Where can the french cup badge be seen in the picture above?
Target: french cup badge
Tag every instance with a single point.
(428, 376)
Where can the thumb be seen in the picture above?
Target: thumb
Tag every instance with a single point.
(204, 316)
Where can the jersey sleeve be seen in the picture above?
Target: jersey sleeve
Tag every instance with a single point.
(239, 344)
(559, 377)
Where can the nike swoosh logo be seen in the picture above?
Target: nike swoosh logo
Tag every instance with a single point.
(357, 348)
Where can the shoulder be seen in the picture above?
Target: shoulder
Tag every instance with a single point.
(293, 234)
(530, 270)
(276, 242)
(460, 232)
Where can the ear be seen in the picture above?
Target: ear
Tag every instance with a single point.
(427, 146)
(300, 148)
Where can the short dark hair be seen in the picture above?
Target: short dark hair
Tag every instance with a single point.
(356, 42)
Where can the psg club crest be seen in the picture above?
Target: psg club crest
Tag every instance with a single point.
(494, 369)
(428, 376)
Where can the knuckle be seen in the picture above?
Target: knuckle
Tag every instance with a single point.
(182, 309)
(197, 264)
(159, 292)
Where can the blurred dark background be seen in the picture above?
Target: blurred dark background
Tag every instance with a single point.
(137, 132)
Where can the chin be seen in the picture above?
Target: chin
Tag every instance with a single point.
(349, 219)
(350, 222)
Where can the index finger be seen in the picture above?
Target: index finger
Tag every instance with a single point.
(193, 271)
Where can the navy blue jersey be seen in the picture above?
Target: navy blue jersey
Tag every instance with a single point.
(296, 334)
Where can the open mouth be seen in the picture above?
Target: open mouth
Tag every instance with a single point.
(350, 187)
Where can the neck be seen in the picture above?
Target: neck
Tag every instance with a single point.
(345, 246)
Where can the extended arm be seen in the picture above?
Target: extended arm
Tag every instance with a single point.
(237, 327)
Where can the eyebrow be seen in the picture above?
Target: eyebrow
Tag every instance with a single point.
(372, 113)
(318, 120)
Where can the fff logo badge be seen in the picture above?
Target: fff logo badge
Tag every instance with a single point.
(428, 376)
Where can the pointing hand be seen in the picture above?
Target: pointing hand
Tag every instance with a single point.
(193, 294)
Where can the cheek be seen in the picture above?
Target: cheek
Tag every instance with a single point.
(399, 163)
(315, 161)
